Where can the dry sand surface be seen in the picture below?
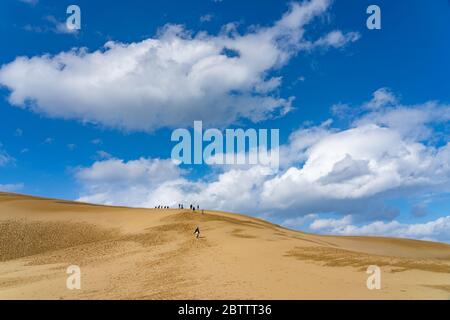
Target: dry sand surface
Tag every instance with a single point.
(152, 254)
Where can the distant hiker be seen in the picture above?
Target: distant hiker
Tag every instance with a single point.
(197, 232)
(190, 207)
(198, 207)
(193, 208)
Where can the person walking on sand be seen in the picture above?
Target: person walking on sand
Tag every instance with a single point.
(197, 232)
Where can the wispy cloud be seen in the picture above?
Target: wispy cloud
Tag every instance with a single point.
(51, 24)
(206, 18)
(101, 154)
(30, 2)
(18, 132)
(11, 187)
(48, 140)
(5, 158)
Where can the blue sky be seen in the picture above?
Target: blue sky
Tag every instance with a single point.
(95, 132)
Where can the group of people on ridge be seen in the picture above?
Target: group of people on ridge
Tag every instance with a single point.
(181, 206)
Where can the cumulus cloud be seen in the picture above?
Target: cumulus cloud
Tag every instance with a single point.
(438, 229)
(171, 79)
(357, 163)
(387, 151)
(349, 171)
(151, 182)
(132, 182)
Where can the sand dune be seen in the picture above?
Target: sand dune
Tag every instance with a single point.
(128, 253)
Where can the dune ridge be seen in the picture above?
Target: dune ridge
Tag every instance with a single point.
(129, 253)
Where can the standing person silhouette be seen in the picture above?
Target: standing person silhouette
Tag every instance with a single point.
(197, 232)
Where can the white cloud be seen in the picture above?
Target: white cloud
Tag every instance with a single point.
(330, 224)
(51, 24)
(101, 154)
(5, 158)
(150, 182)
(48, 140)
(96, 141)
(388, 150)
(299, 222)
(335, 39)
(11, 187)
(171, 79)
(438, 230)
(59, 26)
(323, 169)
(30, 2)
(357, 163)
(18, 132)
(381, 98)
(206, 18)
(115, 181)
(411, 122)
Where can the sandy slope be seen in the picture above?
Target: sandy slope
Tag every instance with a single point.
(152, 254)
